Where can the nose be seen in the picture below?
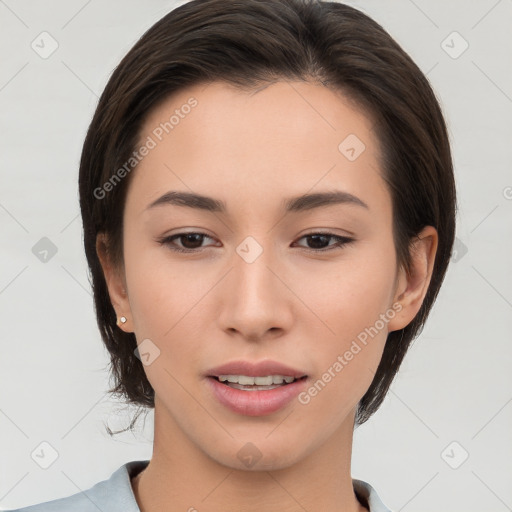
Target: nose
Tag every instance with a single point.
(256, 302)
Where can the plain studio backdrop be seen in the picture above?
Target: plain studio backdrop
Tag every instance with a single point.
(442, 439)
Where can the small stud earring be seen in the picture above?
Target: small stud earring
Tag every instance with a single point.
(121, 320)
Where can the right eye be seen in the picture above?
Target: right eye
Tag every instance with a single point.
(187, 239)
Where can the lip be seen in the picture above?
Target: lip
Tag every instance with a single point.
(255, 403)
(259, 369)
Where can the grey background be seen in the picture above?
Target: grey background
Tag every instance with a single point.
(455, 384)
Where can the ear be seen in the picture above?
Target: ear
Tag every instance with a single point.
(116, 282)
(411, 288)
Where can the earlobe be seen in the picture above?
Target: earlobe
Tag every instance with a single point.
(115, 281)
(412, 287)
(121, 320)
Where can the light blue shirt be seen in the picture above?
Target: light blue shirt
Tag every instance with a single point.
(116, 495)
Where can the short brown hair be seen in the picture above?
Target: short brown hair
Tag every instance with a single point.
(248, 43)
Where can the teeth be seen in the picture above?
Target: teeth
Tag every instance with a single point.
(259, 381)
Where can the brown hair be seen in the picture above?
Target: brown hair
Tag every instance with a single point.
(248, 43)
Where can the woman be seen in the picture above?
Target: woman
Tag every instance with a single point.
(268, 205)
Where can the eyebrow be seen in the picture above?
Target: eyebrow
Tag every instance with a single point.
(294, 204)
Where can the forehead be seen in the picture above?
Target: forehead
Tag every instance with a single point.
(284, 139)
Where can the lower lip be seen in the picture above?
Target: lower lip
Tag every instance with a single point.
(256, 403)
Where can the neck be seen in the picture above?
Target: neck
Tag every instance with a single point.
(180, 476)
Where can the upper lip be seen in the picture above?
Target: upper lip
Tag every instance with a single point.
(255, 369)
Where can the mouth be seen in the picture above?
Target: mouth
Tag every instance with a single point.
(262, 383)
(255, 388)
(249, 397)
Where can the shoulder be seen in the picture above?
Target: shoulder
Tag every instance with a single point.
(368, 496)
(112, 495)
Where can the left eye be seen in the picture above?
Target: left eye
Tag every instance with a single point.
(320, 238)
(195, 240)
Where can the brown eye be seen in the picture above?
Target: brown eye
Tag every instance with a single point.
(190, 242)
(319, 242)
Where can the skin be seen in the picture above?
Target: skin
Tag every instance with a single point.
(292, 304)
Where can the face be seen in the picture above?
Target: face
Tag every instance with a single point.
(315, 287)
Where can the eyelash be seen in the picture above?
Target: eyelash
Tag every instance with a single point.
(341, 241)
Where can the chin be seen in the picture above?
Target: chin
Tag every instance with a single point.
(259, 455)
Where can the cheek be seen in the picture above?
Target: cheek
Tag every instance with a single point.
(352, 293)
(165, 304)
(346, 361)
(155, 289)
(354, 302)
